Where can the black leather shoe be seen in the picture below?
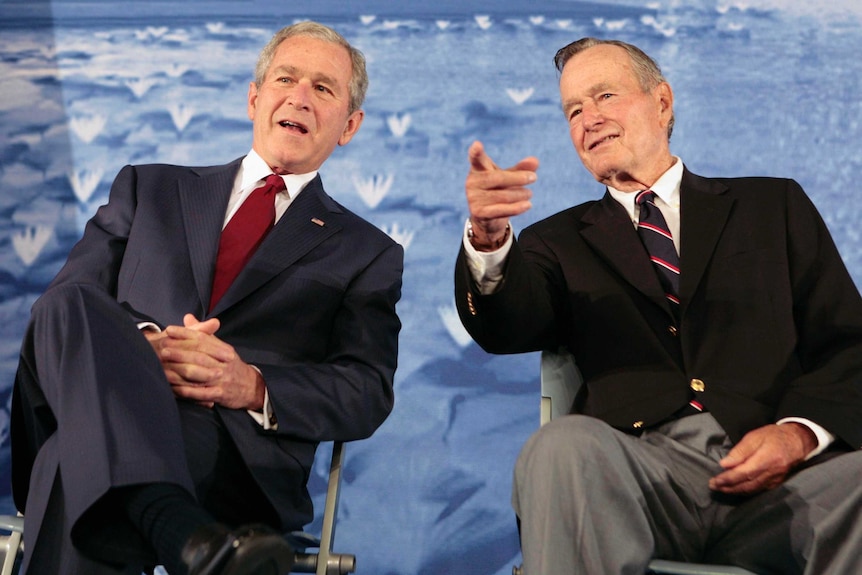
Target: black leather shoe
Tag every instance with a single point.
(249, 550)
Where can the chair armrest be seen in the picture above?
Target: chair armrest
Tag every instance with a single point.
(12, 523)
(12, 544)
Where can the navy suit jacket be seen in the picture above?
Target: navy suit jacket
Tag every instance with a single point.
(771, 322)
(314, 308)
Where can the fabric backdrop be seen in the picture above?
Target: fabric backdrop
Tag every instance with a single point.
(762, 88)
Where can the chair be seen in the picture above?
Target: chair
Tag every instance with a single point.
(12, 543)
(560, 382)
(324, 562)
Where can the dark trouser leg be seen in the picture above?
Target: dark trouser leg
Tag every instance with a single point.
(223, 483)
(94, 409)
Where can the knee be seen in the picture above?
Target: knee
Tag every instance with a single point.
(70, 307)
(566, 441)
(67, 315)
(69, 297)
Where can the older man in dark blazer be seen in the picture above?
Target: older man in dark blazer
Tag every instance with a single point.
(163, 415)
(720, 416)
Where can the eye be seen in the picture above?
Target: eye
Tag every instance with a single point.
(323, 88)
(284, 80)
(606, 96)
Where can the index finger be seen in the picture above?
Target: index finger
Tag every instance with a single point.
(479, 160)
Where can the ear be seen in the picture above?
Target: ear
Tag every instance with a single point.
(351, 127)
(664, 98)
(252, 100)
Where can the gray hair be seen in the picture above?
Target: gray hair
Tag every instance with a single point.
(358, 78)
(646, 69)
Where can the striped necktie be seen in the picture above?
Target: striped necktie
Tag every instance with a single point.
(656, 236)
(244, 233)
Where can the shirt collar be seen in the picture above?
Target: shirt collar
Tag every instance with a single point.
(666, 188)
(255, 169)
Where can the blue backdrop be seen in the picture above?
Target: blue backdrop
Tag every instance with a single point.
(762, 88)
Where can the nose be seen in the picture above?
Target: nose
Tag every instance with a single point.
(300, 96)
(591, 116)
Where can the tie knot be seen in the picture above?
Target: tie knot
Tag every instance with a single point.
(644, 197)
(275, 183)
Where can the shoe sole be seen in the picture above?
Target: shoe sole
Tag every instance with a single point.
(261, 556)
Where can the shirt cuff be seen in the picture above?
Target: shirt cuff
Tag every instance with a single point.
(824, 438)
(486, 268)
(265, 417)
(149, 326)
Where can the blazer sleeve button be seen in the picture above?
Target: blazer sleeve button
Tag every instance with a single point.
(470, 305)
(697, 385)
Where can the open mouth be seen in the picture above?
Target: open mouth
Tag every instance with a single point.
(598, 143)
(293, 126)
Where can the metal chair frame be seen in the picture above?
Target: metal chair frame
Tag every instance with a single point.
(324, 562)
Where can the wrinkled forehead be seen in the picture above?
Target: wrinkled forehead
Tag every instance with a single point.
(314, 57)
(598, 63)
(598, 67)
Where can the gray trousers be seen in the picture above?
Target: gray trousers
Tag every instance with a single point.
(595, 501)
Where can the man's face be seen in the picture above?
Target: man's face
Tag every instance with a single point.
(300, 110)
(618, 130)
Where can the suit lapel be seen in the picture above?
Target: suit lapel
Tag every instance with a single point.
(610, 232)
(203, 201)
(704, 210)
(305, 224)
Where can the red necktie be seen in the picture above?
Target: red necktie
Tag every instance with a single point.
(243, 234)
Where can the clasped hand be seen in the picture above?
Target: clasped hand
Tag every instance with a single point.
(202, 368)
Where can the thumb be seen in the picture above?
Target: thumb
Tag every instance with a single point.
(530, 164)
(739, 454)
(209, 326)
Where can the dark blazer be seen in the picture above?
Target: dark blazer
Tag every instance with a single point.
(770, 327)
(314, 308)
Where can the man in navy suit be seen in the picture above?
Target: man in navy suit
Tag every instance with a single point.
(156, 422)
(719, 419)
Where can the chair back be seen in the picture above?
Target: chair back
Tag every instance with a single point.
(561, 380)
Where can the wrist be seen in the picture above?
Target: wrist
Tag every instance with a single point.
(258, 394)
(484, 242)
(806, 436)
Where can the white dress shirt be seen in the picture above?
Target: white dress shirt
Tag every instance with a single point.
(251, 174)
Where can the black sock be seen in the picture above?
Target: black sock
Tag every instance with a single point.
(166, 515)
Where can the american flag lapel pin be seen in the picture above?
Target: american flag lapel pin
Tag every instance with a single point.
(318, 221)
